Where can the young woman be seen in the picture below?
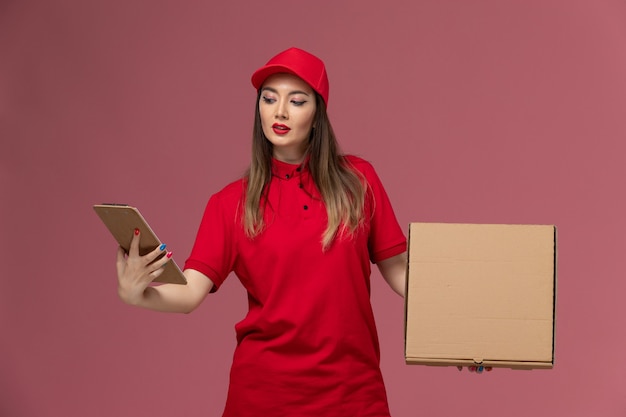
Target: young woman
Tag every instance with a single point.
(300, 231)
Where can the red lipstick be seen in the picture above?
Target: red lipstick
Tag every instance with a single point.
(280, 129)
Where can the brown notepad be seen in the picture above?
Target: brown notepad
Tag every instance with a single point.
(121, 220)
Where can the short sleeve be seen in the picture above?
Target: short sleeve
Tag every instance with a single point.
(214, 250)
(386, 238)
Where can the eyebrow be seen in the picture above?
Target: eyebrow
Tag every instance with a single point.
(273, 90)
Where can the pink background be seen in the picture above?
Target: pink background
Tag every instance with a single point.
(483, 111)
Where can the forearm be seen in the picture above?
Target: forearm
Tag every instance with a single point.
(394, 271)
(173, 298)
(164, 298)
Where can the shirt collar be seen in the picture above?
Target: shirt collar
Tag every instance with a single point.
(285, 170)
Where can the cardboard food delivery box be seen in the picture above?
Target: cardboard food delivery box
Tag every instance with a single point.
(481, 294)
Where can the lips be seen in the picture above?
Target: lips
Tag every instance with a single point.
(280, 129)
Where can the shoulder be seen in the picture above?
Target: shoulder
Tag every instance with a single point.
(224, 205)
(231, 193)
(361, 165)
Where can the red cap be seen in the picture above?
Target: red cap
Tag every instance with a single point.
(297, 62)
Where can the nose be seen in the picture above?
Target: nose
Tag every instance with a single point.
(281, 111)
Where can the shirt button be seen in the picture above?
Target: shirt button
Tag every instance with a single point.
(299, 169)
(306, 207)
(300, 185)
(287, 176)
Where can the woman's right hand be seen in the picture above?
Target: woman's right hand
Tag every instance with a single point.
(135, 272)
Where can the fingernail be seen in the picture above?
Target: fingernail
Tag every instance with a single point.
(488, 368)
(163, 246)
(169, 254)
(480, 369)
(472, 368)
(136, 231)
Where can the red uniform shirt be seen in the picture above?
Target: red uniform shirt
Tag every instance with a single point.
(308, 345)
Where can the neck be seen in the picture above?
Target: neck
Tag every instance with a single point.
(289, 156)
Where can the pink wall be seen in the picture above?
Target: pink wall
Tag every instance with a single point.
(482, 111)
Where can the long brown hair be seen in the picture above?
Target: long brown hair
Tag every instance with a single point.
(342, 187)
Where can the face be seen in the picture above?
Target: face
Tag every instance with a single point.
(287, 109)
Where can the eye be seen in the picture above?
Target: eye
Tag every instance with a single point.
(268, 100)
(298, 103)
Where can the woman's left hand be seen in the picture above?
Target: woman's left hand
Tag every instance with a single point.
(478, 369)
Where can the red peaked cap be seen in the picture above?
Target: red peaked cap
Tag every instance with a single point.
(297, 62)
